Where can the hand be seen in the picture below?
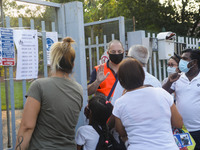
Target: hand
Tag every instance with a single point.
(174, 77)
(100, 74)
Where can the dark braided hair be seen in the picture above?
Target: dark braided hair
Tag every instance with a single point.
(101, 110)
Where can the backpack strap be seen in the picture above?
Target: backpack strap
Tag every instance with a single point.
(96, 127)
(113, 87)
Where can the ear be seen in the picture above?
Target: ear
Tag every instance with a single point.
(192, 63)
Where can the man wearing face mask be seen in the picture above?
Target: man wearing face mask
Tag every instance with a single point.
(103, 77)
(187, 88)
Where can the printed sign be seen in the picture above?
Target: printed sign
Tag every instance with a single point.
(182, 140)
(51, 37)
(104, 58)
(26, 42)
(7, 50)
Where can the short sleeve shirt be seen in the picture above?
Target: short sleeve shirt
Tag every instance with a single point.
(146, 115)
(61, 102)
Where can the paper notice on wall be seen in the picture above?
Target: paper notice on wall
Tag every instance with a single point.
(51, 37)
(26, 42)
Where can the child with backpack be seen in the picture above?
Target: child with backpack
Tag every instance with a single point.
(96, 136)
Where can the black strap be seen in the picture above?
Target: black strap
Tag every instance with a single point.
(99, 131)
(111, 91)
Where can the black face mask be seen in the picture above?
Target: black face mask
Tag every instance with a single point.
(116, 58)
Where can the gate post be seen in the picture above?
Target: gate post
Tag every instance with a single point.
(75, 29)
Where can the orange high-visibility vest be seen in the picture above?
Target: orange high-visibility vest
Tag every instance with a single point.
(108, 83)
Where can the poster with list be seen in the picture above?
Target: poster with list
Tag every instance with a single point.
(26, 42)
(51, 37)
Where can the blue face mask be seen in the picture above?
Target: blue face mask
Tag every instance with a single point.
(171, 70)
(183, 66)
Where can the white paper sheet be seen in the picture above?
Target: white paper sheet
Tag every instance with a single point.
(26, 42)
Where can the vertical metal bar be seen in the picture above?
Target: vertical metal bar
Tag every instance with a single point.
(44, 49)
(7, 98)
(23, 81)
(164, 69)
(1, 125)
(32, 24)
(105, 43)
(61, 23)
(7, 107)
(194, 44)
(53, 27)
(97, 49)
(12, 106)
(150, 59)
(113, 36)
(155, 65)
(122, 30)
(2, 14)
(12, 96)
(187, 43)
(159, 69)
(90, 54)
(155, 60)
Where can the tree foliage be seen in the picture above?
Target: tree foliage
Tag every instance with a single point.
(180, 16)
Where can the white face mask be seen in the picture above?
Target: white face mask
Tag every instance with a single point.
(171, 70)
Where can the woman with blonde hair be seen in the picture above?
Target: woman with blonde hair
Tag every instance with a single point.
(53, 105)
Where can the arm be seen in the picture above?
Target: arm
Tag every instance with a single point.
(29, 118)
(92, 88)
(176, 119)
(172, 78)
(100, 77)
(120, 129)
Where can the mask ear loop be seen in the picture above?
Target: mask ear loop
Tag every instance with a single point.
(190, 63)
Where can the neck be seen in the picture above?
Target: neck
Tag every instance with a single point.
(61, 74)
(113, 66)
(192, 73)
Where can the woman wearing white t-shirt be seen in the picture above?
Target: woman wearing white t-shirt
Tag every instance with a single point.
(144, 115)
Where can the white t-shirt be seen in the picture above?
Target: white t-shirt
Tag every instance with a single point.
(149, 80)
(146, 115)
(87, 136)
(188, 101)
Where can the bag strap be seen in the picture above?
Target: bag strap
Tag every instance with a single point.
(113, 87)
(99, 131)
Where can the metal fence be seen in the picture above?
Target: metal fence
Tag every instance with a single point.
(93, 52)
(155, 66)
(64, 25)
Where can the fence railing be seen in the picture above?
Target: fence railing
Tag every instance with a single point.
(11, 79)
(155, 66)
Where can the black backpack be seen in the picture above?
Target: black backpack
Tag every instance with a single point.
(110, 144)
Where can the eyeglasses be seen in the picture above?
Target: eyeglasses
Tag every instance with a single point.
(171, 65)
(116, 51)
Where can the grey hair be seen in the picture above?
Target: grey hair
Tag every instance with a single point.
(114, 41)
(140, 53)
